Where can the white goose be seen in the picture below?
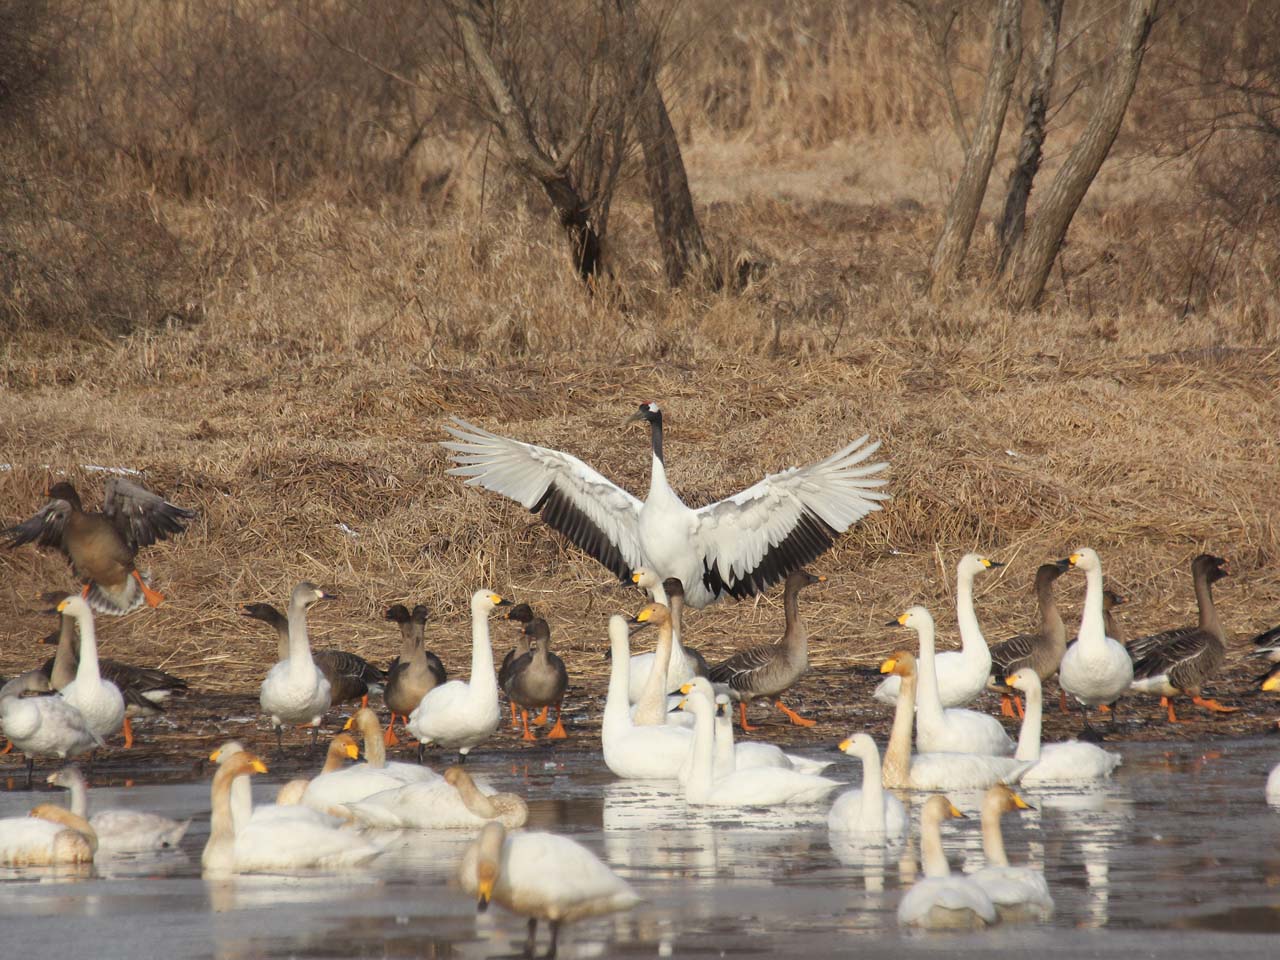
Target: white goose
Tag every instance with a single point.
(45, 727)
(451, 802)
(1018, 893)
(942, 900)
(1069, 762)
(952, 730)
(1095, 670)
(294, 690)
(632, 752)
(464, 713)
(868, 813)
(737, 547)
(963, 673)
(754, 787)
(119, 830)
(683, 665)
(99, 701)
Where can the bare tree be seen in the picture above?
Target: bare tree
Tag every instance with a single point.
(1031, 145)
(1033, 257)
(966, 200)
(939, 21)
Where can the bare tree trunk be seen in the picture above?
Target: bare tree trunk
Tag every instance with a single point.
(1033, 258)
(1030, 148)
(966, 200)
(522, 147)
(938, 22)
(684, 251)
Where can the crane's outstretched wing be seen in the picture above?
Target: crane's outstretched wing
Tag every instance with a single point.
(755, 538)
(45, 529)
(141, 516)
(592, 512)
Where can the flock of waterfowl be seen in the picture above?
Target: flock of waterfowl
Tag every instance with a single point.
(668, 714)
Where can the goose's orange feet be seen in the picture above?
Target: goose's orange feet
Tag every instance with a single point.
(1167, 703)
(389, 738)
(128, 734)
(1017, 702)
(558, 732)
(1006, 705)
(8, 746)
(794, 717)
(364, 701)
(1212, 705)
(742, 714)
(515, 719)
(542, 718)
(524, 718)
(84, 594)
(153, 598)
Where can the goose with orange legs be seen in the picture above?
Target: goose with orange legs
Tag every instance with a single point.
(412, 674)
(539, 680)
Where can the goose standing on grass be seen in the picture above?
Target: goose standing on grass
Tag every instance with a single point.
(1181, 661)
(951, 730)
(1041, 651)
(934, 771)
(685, 663)
(736, 547)
(1019, 893)
(45, 726)
(753, 787)
(99, 701)
(271, 846)
(461, 714)
(453, 802)
(412, 674)
(868, 813)
(654, 752)
(1069, 762)
(118, 830)
(943, 900)
(1096, 669)
(962, 674)
(770, 669)
(103, 547)
(539, 680)
(522, 614)
(541, 876)
(351, 677)
(295, 691)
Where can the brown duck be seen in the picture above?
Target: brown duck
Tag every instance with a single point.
(412, 674)
(539, 679)
(1041, 651)
(102, 547)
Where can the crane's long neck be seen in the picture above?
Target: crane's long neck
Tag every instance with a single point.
(1204, 600)
(896, 771)
(930, 706)
(64, 660)
(87, 670)
(992, 835)
(651, 708)
(483, 676)
(795, 637)
(1092, 630)
(932, 858)
(700, 775)
(658, 486)
(970, 632)
(300, 662)
(1051, 626)
(1029, 733)
(617, 704)
(872, 787)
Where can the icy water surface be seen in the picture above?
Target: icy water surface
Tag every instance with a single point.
(1178, 856)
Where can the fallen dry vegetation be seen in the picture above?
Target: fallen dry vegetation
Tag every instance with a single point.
(288, 372)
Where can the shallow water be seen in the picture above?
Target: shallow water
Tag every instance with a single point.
(1178, 855)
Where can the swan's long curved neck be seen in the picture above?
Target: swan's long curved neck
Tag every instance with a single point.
(1204, 600)
(240, 801)
(483, 676)
(87, 670)
(896, 769)
(700, 775)
(872, 787)
(1092, 631)
(300, 662)
(69, 819)
(651, 707)
(79, 796)
(222, 818)
(375, 748)
(930, 701)
(932, 859)
(474, 800)
(65, 659)
(1029, 732)
(992, 835)
(966, 615)
(725, 760)
(617, 704)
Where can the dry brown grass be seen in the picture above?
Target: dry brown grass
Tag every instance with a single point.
(333, 336)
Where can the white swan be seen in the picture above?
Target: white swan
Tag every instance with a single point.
(45, 726)
(541, 876)
(271, 845)
(375, 752)
(35, 841)
(119, 830)
(738, 547)
(462, 714)
(681, 665)
(951, 730)
(934, 771)
(942, 900)
(755, 787)
(631, 752)
(288, 805)
(1017, 892)
(294, 690)
(868, 812)
(99, 701)
(454, 802)
(1095, 670)
(963, 673)
(1069, 762)
(1273, 785)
